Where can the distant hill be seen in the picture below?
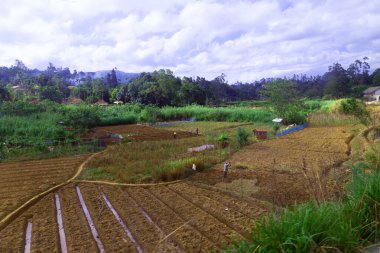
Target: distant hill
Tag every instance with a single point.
(122, 77)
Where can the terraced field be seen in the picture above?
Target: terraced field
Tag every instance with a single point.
(179, 217)
(201, 214)
(289, 169)
(19, 181)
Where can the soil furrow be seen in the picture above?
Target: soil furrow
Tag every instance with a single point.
(147, 235)
(79, 237)
(44, 235)
(225, 213)
(184, 234)
(12, 237)
(105, 223)
(250, 210)
(44, 162)
(24, 167)
(38, 171)
(209, 225)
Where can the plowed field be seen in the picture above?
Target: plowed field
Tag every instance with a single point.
(288, 169)
(19, 181)
(135, 133)
(172, 218)
(201, 214)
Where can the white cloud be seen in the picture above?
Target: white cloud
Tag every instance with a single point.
(244, 39)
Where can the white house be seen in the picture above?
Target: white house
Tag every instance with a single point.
(372, 94)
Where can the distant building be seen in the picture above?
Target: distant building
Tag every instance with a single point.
(101, 102)
(372, 94)
(72, 101)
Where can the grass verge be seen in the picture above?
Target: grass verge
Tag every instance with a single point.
(341, 226)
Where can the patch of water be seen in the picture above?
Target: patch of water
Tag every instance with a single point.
(28, 237)
(125, 228)
(61, 230)
(90, 222)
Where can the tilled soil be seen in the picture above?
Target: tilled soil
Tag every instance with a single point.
(200, 214)
(159, 218)
(19, 181)
(134, 133)
(290, 169)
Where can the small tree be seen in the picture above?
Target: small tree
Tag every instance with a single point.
(242, 136)
(81, 118)
(284, 98)
(223, 139)
(150, 114)
(357, 108)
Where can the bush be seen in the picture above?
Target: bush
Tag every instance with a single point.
(355, 107)
(20, 108)
(150, 114)
(364, 201)
(338, 226)
(242, 136)
(294, 115)
(81, 118)
(223, 139)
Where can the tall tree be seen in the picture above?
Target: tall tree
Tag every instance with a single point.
(282, 94)
(337, 82)
(112, 79)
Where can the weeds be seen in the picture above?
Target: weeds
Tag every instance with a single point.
(340, 226)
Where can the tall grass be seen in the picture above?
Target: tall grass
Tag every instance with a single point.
(154, 161)
(330, 227)
(31, 130)
(323, 118)
(164, 160)
(231, 114)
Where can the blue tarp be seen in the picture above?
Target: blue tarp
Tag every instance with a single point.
(291, 130)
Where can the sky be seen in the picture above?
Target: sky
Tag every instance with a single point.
(245, 40)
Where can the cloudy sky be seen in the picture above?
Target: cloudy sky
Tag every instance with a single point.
(246, 40)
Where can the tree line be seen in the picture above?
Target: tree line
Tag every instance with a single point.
(162, 87)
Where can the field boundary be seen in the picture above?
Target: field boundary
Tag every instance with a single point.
(291, 130)
(7, 219)
(34, 199)
(125, 184)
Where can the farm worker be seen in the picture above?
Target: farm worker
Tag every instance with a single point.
(225, 168)
(194, 167)
(197, 131)
(175, 135)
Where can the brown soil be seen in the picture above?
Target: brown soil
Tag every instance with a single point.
(161, 219)
(202, 214)
(150, 237)
(134, 133)
(20, 181)
(287, 170)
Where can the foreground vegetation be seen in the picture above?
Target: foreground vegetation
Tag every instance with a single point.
(344, 225)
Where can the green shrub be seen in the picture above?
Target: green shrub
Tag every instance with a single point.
(242, 136)
(294, 115)
(355, 107)
(276, 127)
(150, 114)
(364, 202)
(337, 226)
(20, 108)
(81, 118)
